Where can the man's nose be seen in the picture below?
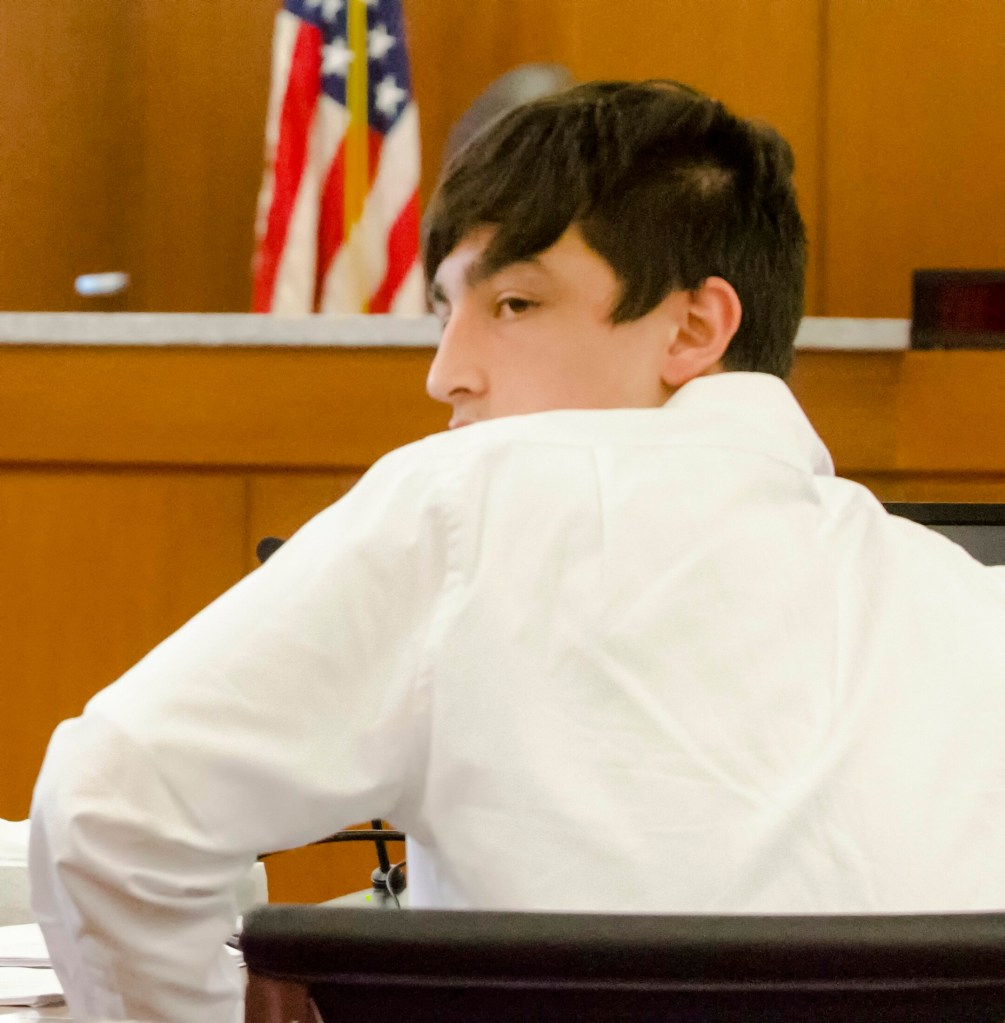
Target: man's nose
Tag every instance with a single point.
(456, 370)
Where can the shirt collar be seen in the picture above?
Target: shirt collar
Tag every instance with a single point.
(755, 411)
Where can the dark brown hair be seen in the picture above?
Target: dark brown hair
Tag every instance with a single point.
(664, 183)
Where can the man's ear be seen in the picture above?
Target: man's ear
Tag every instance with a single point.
(707, 317)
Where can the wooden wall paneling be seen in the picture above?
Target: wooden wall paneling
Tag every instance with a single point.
(948, 487)
(762, 59)
(205, 73)
(459, 47)
(912, 426)
(98, 567)
(915, 165)
(68, 121)
(132, 139)
(952, 412)
(310, 407)
(278, 504)
(852, 400)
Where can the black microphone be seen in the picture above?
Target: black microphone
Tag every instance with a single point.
(267, 546)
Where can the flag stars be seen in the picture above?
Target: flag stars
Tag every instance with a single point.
(389, 97)
(330, 9)
(336, 58)
(379, 41)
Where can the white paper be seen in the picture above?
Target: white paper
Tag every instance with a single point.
(23, 945)
(22, 986)
(13, 841)
(14, 906)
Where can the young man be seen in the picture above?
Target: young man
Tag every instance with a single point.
(622, 642)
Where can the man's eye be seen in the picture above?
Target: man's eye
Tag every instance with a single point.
(512, 305)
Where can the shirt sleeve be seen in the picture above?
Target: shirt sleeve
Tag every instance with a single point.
(289, 708)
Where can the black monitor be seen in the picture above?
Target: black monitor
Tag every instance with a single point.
(438, 966)
(979, 528)
(958, 308)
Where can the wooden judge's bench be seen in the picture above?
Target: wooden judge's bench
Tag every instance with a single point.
(143, 457)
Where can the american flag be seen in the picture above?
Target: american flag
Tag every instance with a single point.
(338, 212)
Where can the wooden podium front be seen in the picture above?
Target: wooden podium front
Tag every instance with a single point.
(137, 480)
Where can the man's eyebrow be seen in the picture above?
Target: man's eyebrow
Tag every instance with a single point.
(478, 272)
(482, 270)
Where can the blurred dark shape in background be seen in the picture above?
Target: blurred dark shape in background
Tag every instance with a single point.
(522, 84)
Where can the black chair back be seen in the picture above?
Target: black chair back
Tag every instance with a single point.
(444, 966)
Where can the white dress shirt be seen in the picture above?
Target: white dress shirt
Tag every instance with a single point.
(629, 660)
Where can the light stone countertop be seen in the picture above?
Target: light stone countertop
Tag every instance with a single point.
(247, 329)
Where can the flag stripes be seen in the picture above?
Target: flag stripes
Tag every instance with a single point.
(339, 209)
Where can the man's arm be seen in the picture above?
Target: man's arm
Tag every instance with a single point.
(284, 711)
(134, 914)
